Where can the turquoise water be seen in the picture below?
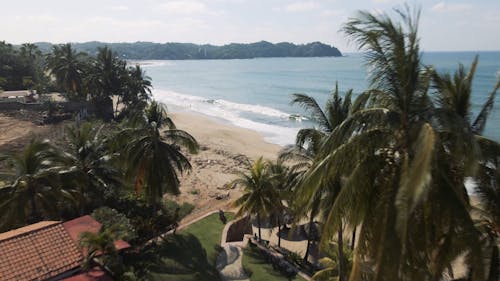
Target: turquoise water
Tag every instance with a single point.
(256, 93)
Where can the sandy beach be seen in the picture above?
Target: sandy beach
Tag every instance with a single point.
(225, 151)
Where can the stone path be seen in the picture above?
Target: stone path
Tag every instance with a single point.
(230, 261)
(230, 264)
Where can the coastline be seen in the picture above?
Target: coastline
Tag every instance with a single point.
(220, 134)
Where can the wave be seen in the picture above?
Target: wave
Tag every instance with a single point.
(231, 111)
(149, 63)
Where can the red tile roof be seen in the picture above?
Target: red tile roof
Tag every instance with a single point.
(47, 249)
(95, 274)
(80, 225)
(37, 252)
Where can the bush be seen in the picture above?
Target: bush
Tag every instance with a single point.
(111, 218)
(171, 207)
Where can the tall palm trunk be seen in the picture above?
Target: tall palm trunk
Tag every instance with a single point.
(35, 216)
(258, 225)
(340, 246)
(309, 238)
(353, 239)
(494, 271)
(279, 235)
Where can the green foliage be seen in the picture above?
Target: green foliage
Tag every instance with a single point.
(401, 159)
(153, 158)
(181, 210)
(262, 269)
(36, 189)
(21, 68)
(117, 222)
(101, 243)
(259, 192)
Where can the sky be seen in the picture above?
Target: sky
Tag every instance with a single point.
(444, 25)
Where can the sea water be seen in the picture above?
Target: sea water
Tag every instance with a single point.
(256, 93)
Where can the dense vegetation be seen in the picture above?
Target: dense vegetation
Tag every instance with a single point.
(21, 68)
(183, 51)
(391, 167)
(117, 171)
(77, 75)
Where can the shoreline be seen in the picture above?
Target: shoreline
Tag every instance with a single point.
(191, 120)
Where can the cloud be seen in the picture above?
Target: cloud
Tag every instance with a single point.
(334, 13)
(119, 8)
(303, 6)
(37, 19)
(443, 7)
(184, 7)
(383, 1)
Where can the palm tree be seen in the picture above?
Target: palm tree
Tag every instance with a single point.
(283, 179)
(88, 165)
(67, 66)
(397, 180)
(137, 90)
(154, 159)
(259, 195)
(36, 189)
(107, 78)
(454, 94)
(307, 147)
(97, 244)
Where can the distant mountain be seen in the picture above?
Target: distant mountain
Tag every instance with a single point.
(183, 51)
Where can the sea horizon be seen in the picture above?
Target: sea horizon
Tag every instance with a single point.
(255, 94)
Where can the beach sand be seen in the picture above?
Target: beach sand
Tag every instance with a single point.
(225, 151)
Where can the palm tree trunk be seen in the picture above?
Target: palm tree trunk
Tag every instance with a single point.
(309, 238)
(450, 272)
(494, 271)
(307, 248)
(340, 247)
(353, 239)
(35, 216)
(279, 235)
(116, 107)
(258, 225)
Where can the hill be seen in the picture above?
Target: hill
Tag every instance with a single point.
(183, 51)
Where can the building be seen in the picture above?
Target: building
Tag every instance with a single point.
(48, 250)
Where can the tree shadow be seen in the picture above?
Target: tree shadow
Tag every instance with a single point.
(181, 255)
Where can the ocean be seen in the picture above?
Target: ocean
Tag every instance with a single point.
(256, 93)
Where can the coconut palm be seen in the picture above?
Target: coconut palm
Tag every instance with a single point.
(36, 189)
(398, 182)
(454, 94)
(137, 90)
(97, 244)
(283, 179)
(153, 157)
(307, 147)
(259, 194)
(88, 165)
(106, 79)
(67, 65)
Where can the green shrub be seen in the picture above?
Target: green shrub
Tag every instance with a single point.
(171, 207)
(112, 219)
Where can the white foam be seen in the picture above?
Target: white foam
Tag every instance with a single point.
(259, 109)
(229, 111)
(150, 63)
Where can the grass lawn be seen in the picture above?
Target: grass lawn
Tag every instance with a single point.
(261, 270)
(191, 254)
(208, 231)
